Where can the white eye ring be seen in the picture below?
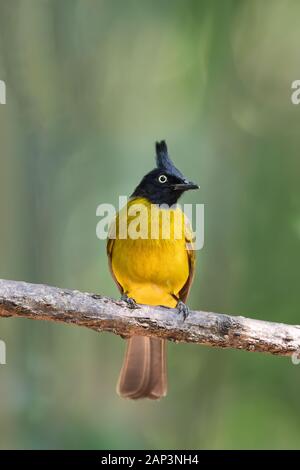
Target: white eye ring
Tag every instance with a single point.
(162, 179)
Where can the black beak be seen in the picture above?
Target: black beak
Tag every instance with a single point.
(186, 186)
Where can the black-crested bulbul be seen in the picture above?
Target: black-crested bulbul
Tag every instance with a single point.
(153, 270)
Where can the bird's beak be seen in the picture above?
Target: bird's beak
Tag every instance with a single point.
(186, 186)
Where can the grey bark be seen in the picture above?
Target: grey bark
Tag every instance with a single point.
(99, 313)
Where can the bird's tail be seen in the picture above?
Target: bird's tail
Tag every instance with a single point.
(144, 371)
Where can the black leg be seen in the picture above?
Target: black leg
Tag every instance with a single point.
(131, 303)
(183, 309)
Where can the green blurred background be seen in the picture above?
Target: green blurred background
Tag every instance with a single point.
(90, 86)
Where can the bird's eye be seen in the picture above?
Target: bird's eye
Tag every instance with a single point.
(162, 179)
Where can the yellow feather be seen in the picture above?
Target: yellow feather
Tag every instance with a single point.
(151, 271)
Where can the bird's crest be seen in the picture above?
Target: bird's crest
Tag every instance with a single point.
(163, 160)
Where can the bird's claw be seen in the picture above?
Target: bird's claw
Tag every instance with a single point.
(183, 309)
(131, 303)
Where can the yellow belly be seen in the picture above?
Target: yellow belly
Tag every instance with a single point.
(151, 271)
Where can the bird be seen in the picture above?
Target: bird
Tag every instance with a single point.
(154, 270)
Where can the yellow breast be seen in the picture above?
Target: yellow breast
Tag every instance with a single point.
(150, 261)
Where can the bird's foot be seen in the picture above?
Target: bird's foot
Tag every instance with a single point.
(183, 309)
(131, 303)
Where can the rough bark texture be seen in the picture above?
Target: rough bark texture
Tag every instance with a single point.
(42, 302)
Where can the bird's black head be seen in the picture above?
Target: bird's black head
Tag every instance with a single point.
(165, 184)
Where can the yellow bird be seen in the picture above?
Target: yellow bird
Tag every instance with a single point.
(152, 261)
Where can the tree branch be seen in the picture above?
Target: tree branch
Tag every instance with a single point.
(41, 302)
